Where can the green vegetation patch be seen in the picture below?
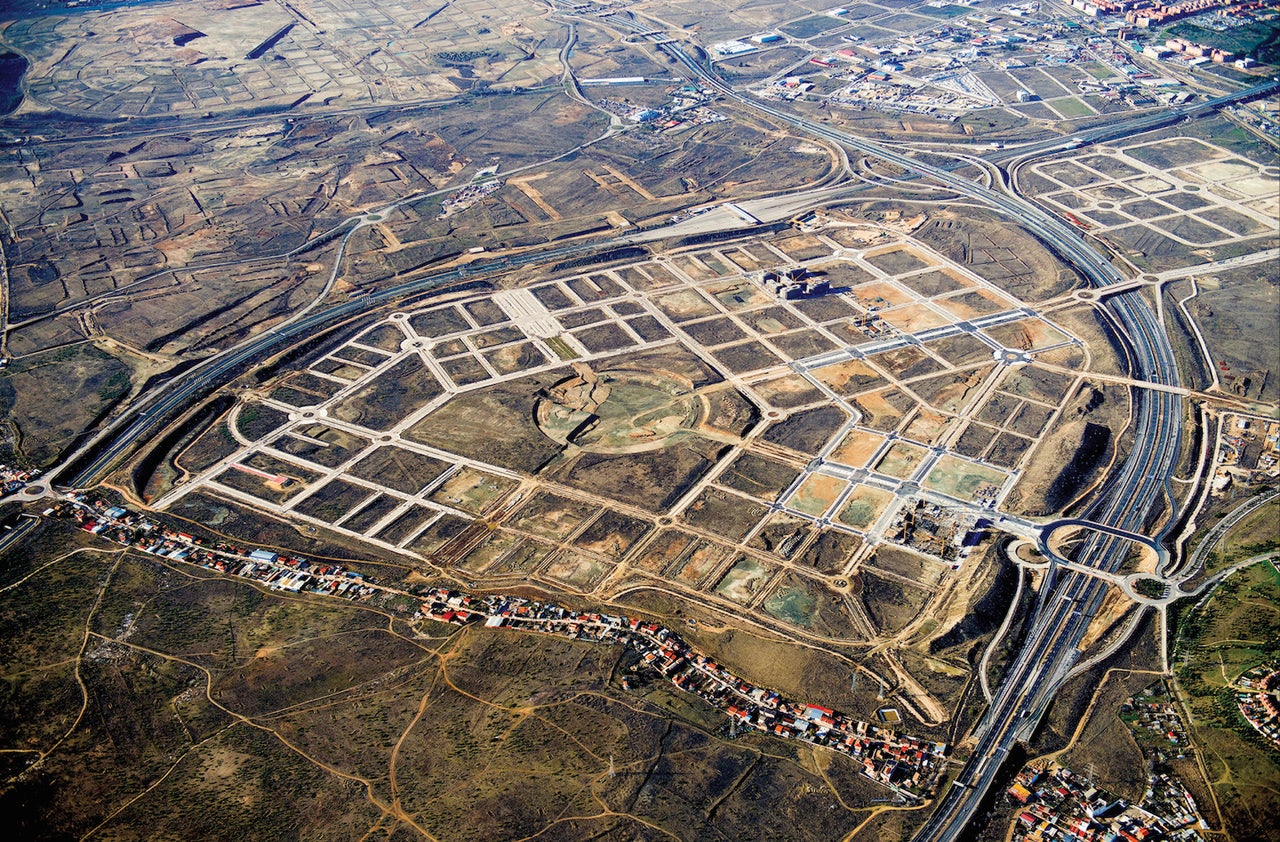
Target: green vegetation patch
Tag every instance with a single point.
(901, 460)
(561, 348)
(864, 505)
(961, 478)
(809, 27)
(1237, 629)
(745, 579)
(1259, 39)
(1252, 535)
(46, 399)
(948, 11)
(1151, 588)
(1071, 107)
(817, 494)
(792, 604)
(802, 602)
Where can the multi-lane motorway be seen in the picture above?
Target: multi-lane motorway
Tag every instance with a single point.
(148, 414)
(1133, 125)
(1069, 599)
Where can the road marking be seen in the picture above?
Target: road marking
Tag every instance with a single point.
(528, 313)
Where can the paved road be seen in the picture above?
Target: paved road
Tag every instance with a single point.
(1131, 126)
(1206, 545)
(16, 531)
(145, 415)
(1069, 598)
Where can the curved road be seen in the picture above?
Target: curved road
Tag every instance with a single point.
(147, 414)
(1069, 599)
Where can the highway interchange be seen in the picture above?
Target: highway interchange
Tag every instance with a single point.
(1069, 599)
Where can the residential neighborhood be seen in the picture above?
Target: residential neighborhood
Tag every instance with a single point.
(1063, 805)
(1257, 701)
(911, 768)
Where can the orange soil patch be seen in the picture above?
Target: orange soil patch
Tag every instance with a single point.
(797, 247)
(743, 260)
(704, 559)
(892, 248)
(737, 295)
(874, 403)
(915, 317)
(838, 376)
(693, 268)
(1028, 334)
(927, 427)
(880, 294)
(857, 448)
(816, 494)
(686, 304)
(953, 397)
(965, 310)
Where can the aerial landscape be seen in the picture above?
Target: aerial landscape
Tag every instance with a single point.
(636, 420)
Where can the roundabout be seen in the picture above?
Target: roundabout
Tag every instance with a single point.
(619, 411)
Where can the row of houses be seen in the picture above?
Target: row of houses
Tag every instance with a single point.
(15, 479)
(279, 572)
(909, 766)
(1258, 703)
(1157, 14)
(1059, 804)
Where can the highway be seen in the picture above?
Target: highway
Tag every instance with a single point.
(1068, 599)
(13, 533)
(1131, 126)
(146, 415)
